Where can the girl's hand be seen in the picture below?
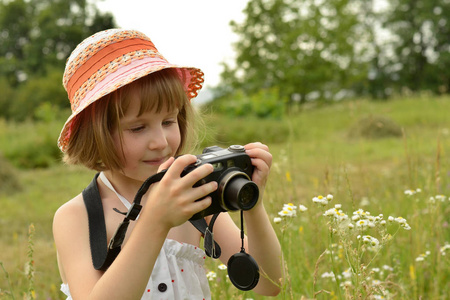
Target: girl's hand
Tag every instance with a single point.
(262, 161)
(173, 199)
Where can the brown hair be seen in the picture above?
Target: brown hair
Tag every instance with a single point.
(91, 143)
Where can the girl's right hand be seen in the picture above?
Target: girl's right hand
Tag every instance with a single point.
(173, 200)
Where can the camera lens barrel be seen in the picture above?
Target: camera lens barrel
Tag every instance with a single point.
(237, 191)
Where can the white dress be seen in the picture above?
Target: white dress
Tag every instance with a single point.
(178, 273)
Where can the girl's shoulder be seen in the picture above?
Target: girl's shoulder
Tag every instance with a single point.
(71, 214)
(73, 206)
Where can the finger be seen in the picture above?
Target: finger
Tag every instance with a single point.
(180, 164)
(256, 145)
(202, 204)
(165, 165)
(260, 165)
(197, 174)
(204, 190)
(261, 154)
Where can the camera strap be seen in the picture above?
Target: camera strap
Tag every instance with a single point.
(212, 249)
(102, 257)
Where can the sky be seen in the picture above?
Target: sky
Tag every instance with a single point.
(186, 32)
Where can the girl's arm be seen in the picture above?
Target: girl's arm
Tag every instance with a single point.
(170, 203)
(261, 241)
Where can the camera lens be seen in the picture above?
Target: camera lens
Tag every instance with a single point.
(238, 192)
(248, 195)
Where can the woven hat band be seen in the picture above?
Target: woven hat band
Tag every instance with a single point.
(103, 57)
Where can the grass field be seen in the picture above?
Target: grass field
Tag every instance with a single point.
(404, 172)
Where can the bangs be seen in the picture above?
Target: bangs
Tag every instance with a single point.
(157, 91)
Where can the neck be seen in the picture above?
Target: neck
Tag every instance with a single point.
(125, 186)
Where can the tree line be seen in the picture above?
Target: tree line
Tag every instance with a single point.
(288, 52)
(333, 49)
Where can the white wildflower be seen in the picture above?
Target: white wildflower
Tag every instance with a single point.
(410, 192)
(420, 258)
(347, 273)
(320, 200)
(302, 208)
(330, 212)
(440, 198)
(289, 210)
(328, 275)
(346, 283)
(360, 212)
(406, 226)
(355, 217)
(362, 223)
(400, 220)
(211, 275)
(388, 268)
(444, 249)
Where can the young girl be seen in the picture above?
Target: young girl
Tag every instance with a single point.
(131, 116)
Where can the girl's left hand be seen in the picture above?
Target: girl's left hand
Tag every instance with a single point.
(262, 161)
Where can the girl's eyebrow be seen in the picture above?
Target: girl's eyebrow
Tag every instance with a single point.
(138, 118)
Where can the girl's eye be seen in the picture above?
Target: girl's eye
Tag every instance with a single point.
(137, 129)
(169, 122)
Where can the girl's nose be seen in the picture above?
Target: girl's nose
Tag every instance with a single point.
(158, 140)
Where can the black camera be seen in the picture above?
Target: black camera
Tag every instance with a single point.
(233, 170)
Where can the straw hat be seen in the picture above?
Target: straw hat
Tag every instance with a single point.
(110, 59)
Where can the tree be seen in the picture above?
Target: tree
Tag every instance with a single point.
(36, 37)
(422, 44)
(308, 49)
(38, 34)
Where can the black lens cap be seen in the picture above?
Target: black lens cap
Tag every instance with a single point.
(243, 271)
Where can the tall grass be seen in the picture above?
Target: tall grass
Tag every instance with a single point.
(314, 154)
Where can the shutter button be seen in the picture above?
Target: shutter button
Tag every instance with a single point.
(162, 287)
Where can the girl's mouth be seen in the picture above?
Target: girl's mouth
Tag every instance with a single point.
(155, 162)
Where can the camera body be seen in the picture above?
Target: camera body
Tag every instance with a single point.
(233, 170)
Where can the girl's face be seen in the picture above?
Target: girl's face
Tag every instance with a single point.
(148, 140)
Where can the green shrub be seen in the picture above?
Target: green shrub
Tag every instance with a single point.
(30, 144)
(375, 127)
(9, 182)
(21, 103)
(225, 130)
(265, 104)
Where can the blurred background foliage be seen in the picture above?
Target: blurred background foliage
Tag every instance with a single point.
(290, 55)
(317, 50)
(36, 37)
